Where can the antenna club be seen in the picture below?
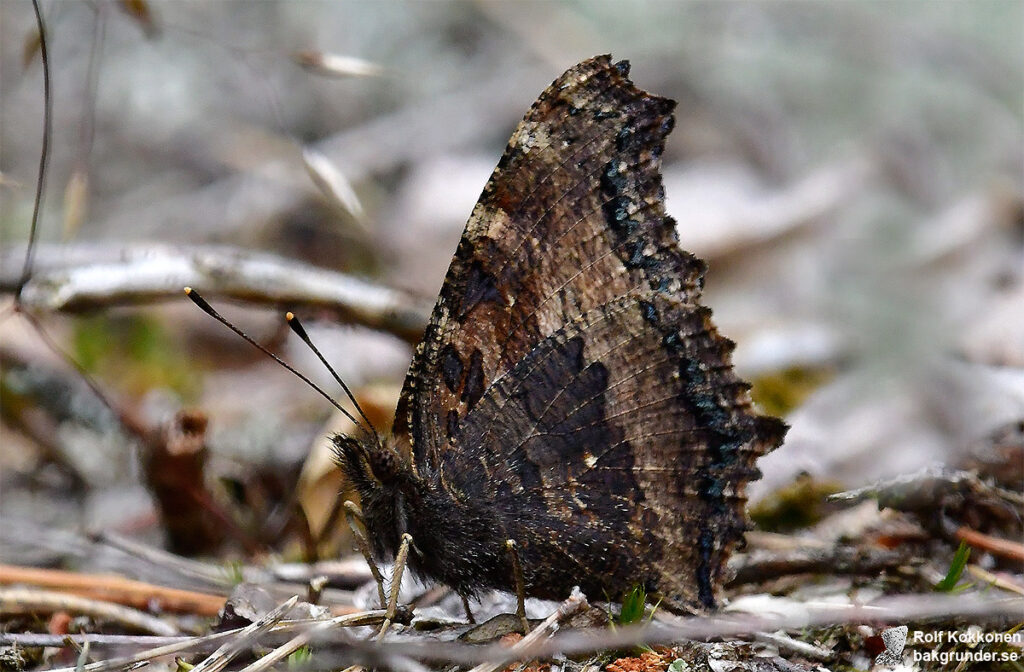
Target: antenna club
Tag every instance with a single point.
(289, 316)
(188, 291)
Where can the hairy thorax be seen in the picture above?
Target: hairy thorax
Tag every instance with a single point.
(454, 541)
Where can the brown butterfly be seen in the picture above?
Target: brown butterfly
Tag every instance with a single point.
(570, 392)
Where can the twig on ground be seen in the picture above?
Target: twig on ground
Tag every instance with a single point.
(576, 603)
(148, 273)
(1003, 547)
(345, 571)
(928, 488)
(841, 560)
(176, 645)
(784, 641)
(115, 589)
(297, 642)
(30, 600)
(247, 636)
(791, 615)
(787, 615)
(217, 577)
(226, 578)
(988, 578)
(27, 639)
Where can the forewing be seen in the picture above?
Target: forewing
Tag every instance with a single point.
(536, 251)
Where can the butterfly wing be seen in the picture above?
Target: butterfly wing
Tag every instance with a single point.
(569, 380)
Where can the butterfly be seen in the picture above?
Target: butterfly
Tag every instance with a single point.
(570, 392)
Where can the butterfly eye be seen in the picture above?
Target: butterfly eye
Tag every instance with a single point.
(383, 462)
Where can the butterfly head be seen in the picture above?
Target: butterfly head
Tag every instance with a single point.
(385, 480)
(371, 465)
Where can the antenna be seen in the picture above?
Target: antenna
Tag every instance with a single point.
(297, 327)
(208, 309)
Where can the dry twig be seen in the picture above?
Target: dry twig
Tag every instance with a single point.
(247, 636)
(150, 273)
(986, 542)
(576, 603)
(168, 645)
(116, 589)
(30, 600)
(766, 565)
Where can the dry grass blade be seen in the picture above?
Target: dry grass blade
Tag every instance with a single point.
(576, 603)
(292, 645)
(336, 65)
(216, 576)
(76, 202)
(333, 184)
(996, 580)
(179, 645)
(220, 658)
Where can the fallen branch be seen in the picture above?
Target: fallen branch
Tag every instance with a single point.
(841, 560)
(34, 601)
(101, 277)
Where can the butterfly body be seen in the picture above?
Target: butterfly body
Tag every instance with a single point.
(570, 392)
(459, 536)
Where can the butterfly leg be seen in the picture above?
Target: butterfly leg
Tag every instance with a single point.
(517, 570)
(354, 515)
(396, 584)
(465, 605)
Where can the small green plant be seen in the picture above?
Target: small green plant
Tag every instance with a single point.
(233, 572)
(956, 568)
(634, 606)
(300, 657)
(634, 603)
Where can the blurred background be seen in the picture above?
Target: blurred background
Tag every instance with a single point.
(852, 173)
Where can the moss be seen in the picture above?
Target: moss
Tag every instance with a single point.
(135, 352)
(800, 504)
(780, 392)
